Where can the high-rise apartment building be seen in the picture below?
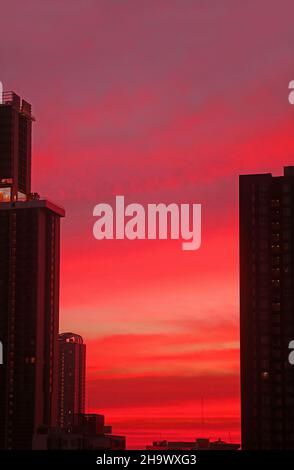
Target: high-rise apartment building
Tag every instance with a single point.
(267, 309)
(72, 369)
(29, 286)
(15, 147)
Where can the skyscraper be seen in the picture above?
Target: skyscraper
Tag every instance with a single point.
(29, 286)
(72, 368)
(267, 309)
(15, 147)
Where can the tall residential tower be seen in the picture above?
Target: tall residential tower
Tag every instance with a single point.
(15, 147)
(267, 309)
(29, 286)
(72, 370)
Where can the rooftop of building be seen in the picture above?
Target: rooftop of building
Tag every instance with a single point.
(288, 171)
(10, 98)
(34, 204)
(70, 338)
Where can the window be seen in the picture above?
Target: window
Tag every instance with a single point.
(5, 194)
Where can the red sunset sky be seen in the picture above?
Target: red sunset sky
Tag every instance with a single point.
(161, 101)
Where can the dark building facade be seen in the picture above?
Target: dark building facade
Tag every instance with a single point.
(72, 369)
(29, 287)
(87, 432)
(267, 309)
(15, 147)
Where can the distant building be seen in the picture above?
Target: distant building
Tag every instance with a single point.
(29, 286)
(72, 369)
(87, 433)
(267, 309)
(167, 445)
(198, 444)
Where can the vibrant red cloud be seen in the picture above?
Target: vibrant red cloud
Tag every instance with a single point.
(151, 391)
(160, 355)
(97, 269)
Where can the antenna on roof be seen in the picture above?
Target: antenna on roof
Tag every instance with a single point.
(202, 416)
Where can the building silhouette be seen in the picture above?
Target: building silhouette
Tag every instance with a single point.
(267, 309)
(15, 147)
(72, 369)
(29, 286)
(87, 432)
(198, 444)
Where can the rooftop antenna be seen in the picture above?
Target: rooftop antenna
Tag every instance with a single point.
(202, 416)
